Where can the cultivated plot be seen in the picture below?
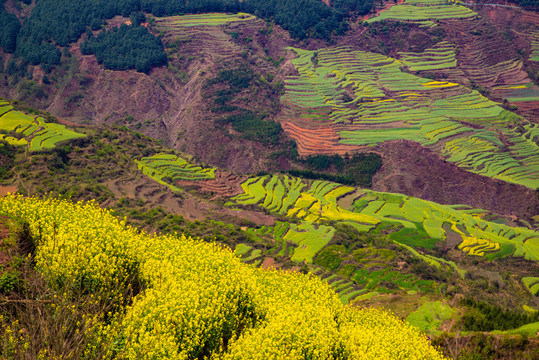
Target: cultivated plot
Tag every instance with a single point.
(424, 223)
(167, 169)
(366, 99)
(20, 129)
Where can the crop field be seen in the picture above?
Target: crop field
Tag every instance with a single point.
(441, 56)
(206, 36)
(430, 316)
(36, 132)
(424, 11)
(532, 283)
(212, 19)
(166, 169)
(366, 99)
(423, 222)
(310, 238)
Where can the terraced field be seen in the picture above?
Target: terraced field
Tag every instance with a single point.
(441, 56)
(532, 283)
(168, 169)
(204, 36)
(424, 223)
(35, 133)
(211, 19)
(365, 99)
(367, 269)
(490, 61)
(424, 11)
(416, 225)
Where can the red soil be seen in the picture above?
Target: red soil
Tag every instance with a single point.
(4, 190)
(317, 139)
(528, 109)
(269, 263)
(225, 184)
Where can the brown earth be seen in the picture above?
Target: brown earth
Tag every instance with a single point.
(415, 171)
(167, 103)
(317, 138)
(140, 187)
(6, 189)
(486, 56)
(528, 109)
(225, 185)
(269, 263)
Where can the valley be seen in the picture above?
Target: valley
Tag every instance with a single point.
(395, 164)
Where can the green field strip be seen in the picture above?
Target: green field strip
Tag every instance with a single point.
(344, 284)
(426, 2)
(335, 283)
(422, 13)
(346, 298)
(527, 330)
(255, 254)
(13, 141)
(423, 221)
(532, 283)
(280, 229)
(210, 19)
(5, 108)
(269, 191)
(277, 197)
(172, 167)
(441, 56)
(310, 240)
(254, 191)
(330, 278)
(294, 187)
(416, 120)
(242, 249)
(12, 120)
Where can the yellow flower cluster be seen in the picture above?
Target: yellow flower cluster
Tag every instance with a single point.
(79, 243)
(200, 301)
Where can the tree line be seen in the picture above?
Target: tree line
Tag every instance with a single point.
(57, 23)
(126, 47)
(355, 170)
(9, 28)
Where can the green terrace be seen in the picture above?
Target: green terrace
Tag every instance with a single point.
(20, 129)
(422, 223)
(167, 169)
(370, 99)
(424, 12)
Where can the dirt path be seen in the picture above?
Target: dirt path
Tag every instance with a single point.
(22, 184)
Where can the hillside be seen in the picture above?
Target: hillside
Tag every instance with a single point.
(178, 298)
(389, 151)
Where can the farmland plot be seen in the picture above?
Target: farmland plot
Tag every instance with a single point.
(366, 99)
